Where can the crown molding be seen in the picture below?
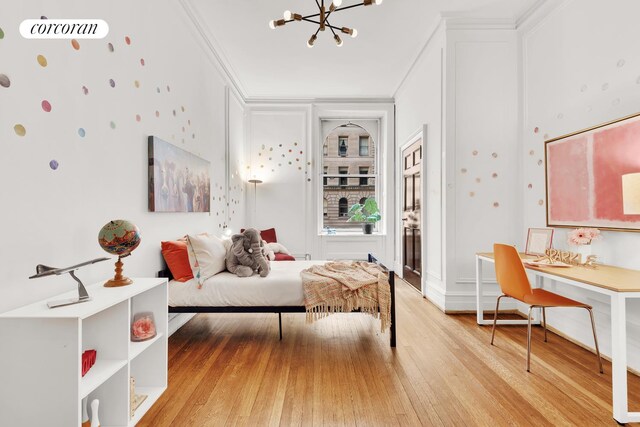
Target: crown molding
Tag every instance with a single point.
(319, 100)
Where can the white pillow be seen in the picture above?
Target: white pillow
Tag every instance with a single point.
(277, 248)
(206, 256)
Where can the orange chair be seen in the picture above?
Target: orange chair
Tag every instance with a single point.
(514, 283)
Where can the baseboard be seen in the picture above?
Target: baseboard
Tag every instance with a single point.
(177, 321)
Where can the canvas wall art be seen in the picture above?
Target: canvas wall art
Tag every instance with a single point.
(584, 175)
(178, 180)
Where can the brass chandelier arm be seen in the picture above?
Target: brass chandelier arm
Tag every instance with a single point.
(327, 24)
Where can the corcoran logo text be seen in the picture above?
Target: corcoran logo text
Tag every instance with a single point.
(64, 29)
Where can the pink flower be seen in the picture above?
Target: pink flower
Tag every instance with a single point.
(583, 236)
(143, 328)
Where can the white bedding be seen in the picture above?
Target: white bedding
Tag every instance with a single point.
(282, 287)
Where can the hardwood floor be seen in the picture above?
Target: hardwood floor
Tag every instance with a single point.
(231, 369)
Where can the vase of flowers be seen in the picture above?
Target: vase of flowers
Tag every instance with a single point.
(582, 238)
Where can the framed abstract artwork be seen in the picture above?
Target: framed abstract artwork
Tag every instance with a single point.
(178, 180)
(584, 173)
(538, 241)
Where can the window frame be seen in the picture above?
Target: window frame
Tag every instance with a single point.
(360, 146)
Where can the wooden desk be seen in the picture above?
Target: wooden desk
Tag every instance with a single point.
(618, 283)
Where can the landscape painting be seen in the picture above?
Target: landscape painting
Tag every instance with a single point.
(178, 180)
(584, 175)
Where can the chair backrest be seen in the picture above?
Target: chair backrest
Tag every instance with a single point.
(510, 272)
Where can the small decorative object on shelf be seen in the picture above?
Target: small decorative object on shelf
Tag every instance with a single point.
(368, 214)
(582, 239)
(85, 416)
(88, 360)
(143, 327)
(83, 295)
(538, 241)
(95, 422)
(119, 237)
(135, 399)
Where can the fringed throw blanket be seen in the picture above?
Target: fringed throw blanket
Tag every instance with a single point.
(341, 287)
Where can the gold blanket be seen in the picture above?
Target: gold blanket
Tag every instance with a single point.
(341, 287)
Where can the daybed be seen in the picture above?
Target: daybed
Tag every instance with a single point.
(280, 292)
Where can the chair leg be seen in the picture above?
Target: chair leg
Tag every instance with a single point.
(595, 339)
(544, 320)
(529, 340)
(495, 318)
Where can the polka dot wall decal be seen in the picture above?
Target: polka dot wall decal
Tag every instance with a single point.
(463, 170)
(615, 102)
(496, 204)
(478, 180)
(136, 83)
(295, 143)
(75, 44)
(494, 175)
(157, 113)
(530, 186)
(531, 153)
(53, 164)
(4, 80)
(142, 61)
(174, 113)
(541, 202)
(138, 118)
(540, 162)
(189, 122)
(475, 152)
(193, 136)
(560, 116)
(279, 145)
(589, 108)
(112, 83)
(42, 60)
(112, 125)
(19, 130)
(1, 33)
(110, 47)
(584, 88)
(638, 80)
(46, 106)
(182, 108)
(546, 136)
(168, 88)
(621, 63)
(127, 40)
(158, 89)
(85, 90)
(536, 130)
(471, 194)
(81, 132)
(605, 86)
(494, 155)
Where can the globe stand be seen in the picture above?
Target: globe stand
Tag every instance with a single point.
(118, 279)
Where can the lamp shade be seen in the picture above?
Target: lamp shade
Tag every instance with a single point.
(631, 194)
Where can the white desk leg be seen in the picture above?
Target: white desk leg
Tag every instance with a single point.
(619, 357)
(479, 312)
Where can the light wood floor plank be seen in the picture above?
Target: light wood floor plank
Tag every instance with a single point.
(231, 369)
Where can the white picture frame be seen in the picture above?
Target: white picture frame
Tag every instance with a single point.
(538, 241)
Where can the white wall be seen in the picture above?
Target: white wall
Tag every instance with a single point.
(581, 67)
(463, 87)
(53, 216)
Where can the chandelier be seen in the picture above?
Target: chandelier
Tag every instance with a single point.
(323, 19)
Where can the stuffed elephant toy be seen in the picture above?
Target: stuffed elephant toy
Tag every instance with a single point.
(247, 255)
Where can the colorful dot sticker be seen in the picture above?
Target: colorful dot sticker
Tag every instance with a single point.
(530, 186)
(584, 88)
(475, 152)
(463, 170)
(494, 175)
(157, 113)
(127, 40)
(136, 83)
(540, 162)
(494, 155)
(182, 108)
(46, 106)
(174, 113)
(478, 180)
(85, 90)
(496, 204)
(110, 47)
(158, 89)
(536, 130)
(541, 202)
(621, 63)
(605, 86)
(112, 125)
(142, 61)
(4, 80)
(168, 88)
(42, 60)
(1, 34)
(531, 153)
(471, 193)
(19, 130)
(112, 83)
(75, 44)
(53, 164)
(138, 118)
(81, 132)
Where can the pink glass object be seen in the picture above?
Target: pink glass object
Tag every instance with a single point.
(143, 327)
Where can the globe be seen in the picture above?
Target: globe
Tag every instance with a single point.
(119, 237)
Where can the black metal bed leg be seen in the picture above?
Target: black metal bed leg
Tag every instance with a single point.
(280, 324)
(392, 328)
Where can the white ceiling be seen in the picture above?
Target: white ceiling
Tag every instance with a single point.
(278, 63)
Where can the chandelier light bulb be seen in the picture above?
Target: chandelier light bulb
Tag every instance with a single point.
(287, 15)
(338, 40)
(311, 41)
(354, 33)
(378, 2)
(337, 3)
(272, 25)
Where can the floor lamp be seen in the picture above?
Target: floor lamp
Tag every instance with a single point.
(255, 183)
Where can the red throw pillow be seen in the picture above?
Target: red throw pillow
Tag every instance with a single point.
(177, 258)
(268, 235)
(284, 257)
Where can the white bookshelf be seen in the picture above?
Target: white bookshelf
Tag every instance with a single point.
(41, 352)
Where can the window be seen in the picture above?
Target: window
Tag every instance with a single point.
(364, 145)
(343, 170)
(343, 145)
(349, 172)
(364, 199)
(343, 207)
(364, 180)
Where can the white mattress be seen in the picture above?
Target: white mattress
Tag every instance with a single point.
(282, 287)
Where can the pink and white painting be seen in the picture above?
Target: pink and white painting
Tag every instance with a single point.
(584, 175)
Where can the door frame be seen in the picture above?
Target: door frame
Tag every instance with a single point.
(418, 134)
